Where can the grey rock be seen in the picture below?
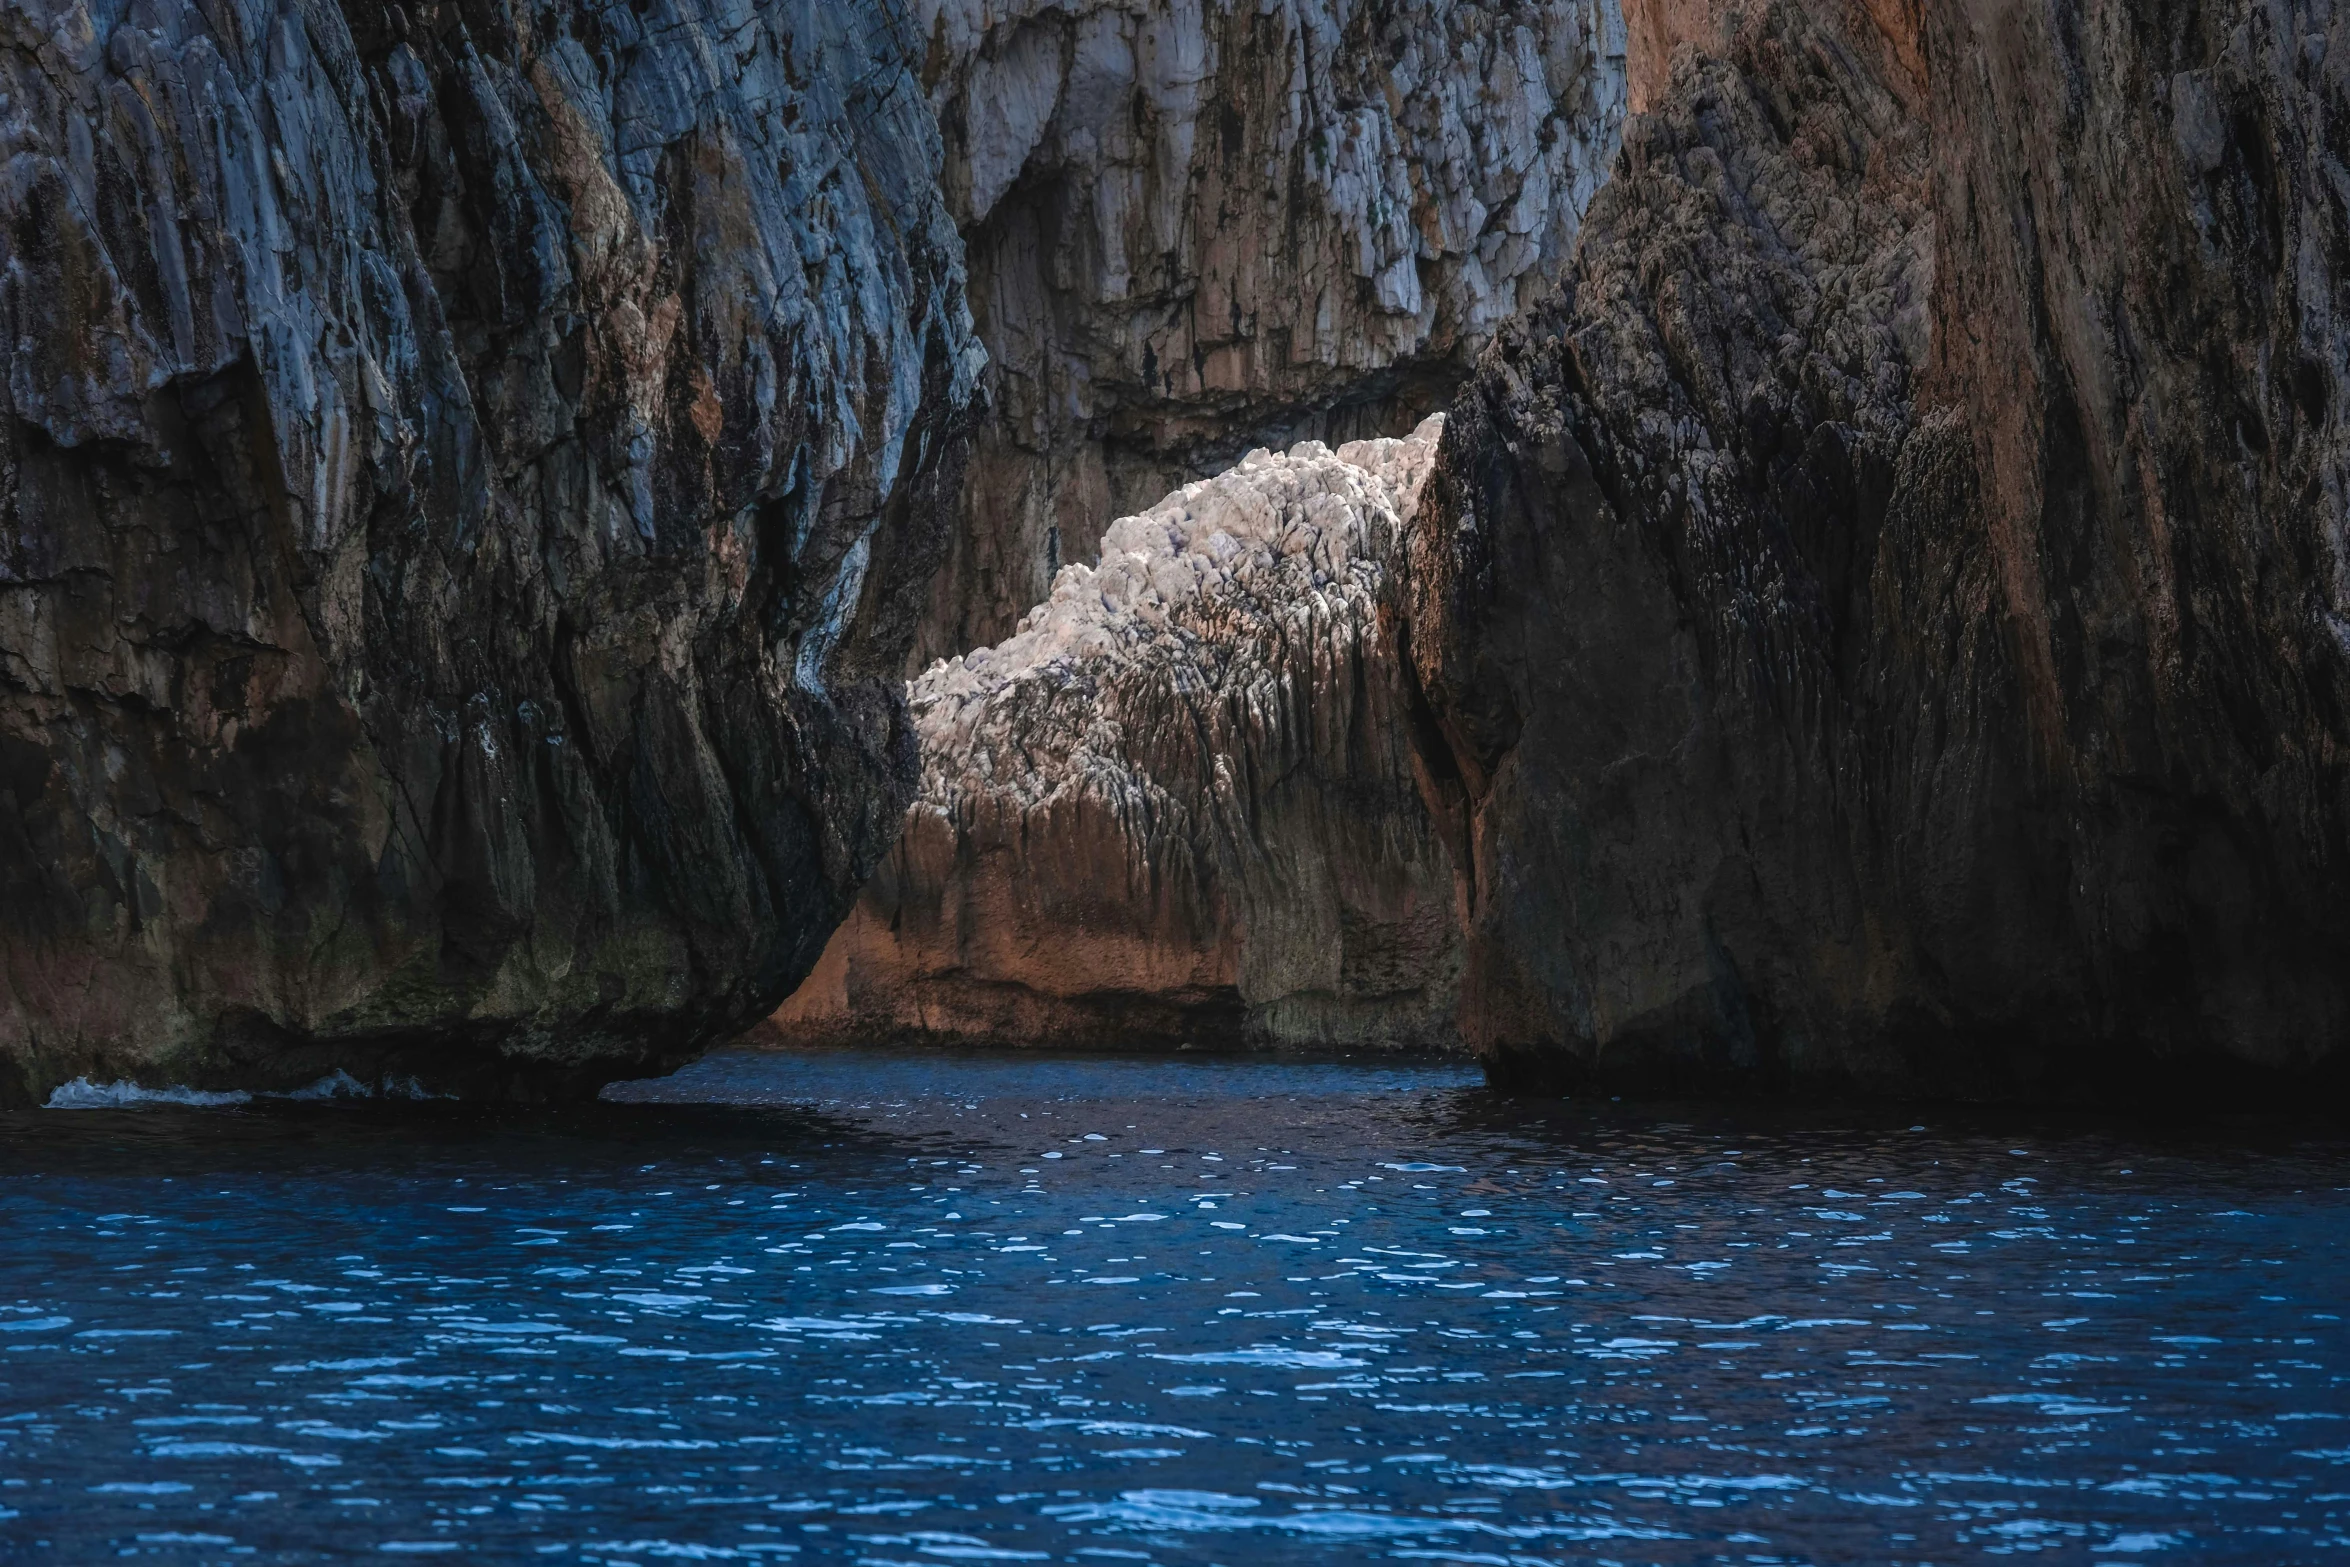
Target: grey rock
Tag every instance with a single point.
(1885, 620)
(1200, 226)
(1191, 817)
(469, 476)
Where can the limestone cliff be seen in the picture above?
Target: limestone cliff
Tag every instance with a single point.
(468, 478)
(1198, 226)
(1178, 805)
(1887, 620)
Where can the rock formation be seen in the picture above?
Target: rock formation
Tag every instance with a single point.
(472, 476)
(1178, 805)
(1199, 226)
(1889, 620)
(469, 478)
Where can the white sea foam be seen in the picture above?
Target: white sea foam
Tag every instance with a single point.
(337, 1084)
(82, 1094)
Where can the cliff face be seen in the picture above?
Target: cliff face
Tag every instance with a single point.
(1178, 805)
(468, 480)
(472, 476)
(1198, 226)
(1887, 619)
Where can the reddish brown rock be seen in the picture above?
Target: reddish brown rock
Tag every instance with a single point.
(1177, 807)
(1886, 620)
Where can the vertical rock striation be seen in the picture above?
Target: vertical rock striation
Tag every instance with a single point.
(1198, 226)
(1177, 806)
(1886, 620)
(468, 478)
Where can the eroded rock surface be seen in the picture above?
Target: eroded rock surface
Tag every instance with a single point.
(1888, 619)
(468, 476)
(1178, 805)
(1199, 226)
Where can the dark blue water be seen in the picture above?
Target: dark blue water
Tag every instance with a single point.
(911, 1309)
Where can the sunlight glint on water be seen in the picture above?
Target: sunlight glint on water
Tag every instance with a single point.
(897, 1308)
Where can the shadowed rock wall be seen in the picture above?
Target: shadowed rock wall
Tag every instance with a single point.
(468, 478)
(1886, 620)
(1177, 807)
(1199, 226)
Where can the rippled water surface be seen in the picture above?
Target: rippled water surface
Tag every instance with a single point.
(919, 1309)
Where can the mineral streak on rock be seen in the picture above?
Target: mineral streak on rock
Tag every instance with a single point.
(1198, 226)
(1889, 619)
(1178, 805)
(468, 476)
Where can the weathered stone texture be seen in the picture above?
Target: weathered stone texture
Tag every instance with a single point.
(1198, 226)
(1177, 807)
(1887, 620)
(467, 479)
